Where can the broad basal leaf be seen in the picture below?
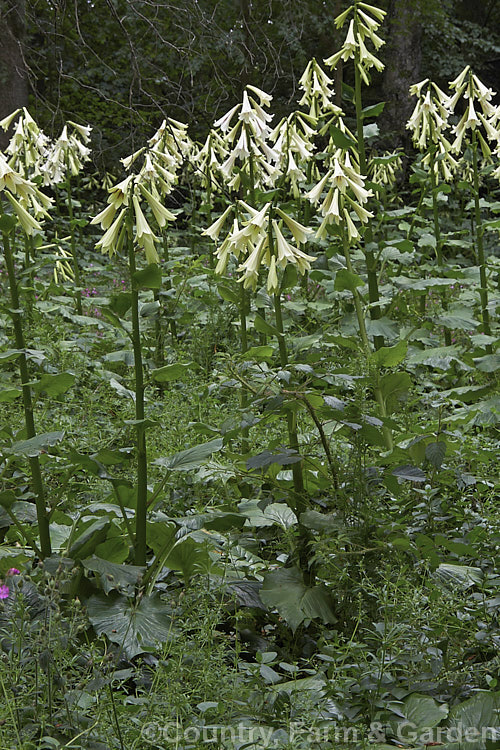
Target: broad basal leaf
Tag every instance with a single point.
(135, 626)
(286, 591)
(191, 458)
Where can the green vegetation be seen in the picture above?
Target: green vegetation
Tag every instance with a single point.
(249, 426)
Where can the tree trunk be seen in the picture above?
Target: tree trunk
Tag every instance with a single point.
(402, 56)
(13, 75)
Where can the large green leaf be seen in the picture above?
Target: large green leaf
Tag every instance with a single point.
(286, 591)
(228, 294)
(458, 317)
(423, 711)
(91, 536)
(262, 326)
(192, 458)
(189, 557)
(345, 279)
(147, 278)
(440, 358)
(435, 453)
(10, 394)
(172, 372)
(259, 353)
(480, 713)
(276, 513)
(122, 578)
(462, 576)
(281, 515)
(390, 356)
(36, 445)
(55, 385)
(489, 363)
(340, 139)
(266, 458)
(136, 626)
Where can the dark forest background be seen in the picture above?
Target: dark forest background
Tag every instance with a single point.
(122, 65)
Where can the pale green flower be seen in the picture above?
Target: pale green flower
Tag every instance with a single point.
(272, 278)
(363, 25)
(28, 223)
(7, 121)
(160, 212)
(215, 229)
(299, 231)
(144, 234)
(112, 239)
(106, 216)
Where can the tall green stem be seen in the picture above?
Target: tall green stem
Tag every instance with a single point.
(435, 209)
(74, 255)
(437, 232)
(298, 479)
(243, 349)
(142, 464)
(371, 262)
(483, 290)
(366, 345)
(36, 474)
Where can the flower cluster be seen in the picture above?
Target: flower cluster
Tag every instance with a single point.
(67, 155)
(259, 239)
(28, 147)
(293, 143)
(154, 180)
(345, 196)
(384, 168)
(429, 119)
(245, 141)
(318, 91)
(474, 93)
(207, 161)
(363, 25)
(27, 201)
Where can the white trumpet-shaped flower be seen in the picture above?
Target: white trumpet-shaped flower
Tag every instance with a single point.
(363, 25)
(484, 122)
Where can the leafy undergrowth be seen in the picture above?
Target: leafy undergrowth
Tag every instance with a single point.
(221, 639)
(249, 491)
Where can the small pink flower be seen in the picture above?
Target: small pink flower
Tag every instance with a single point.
(4, 591)
(13, 572)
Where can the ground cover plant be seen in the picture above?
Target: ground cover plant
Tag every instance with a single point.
(249, 434)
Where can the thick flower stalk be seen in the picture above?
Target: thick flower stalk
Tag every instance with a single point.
(27, 205)
(364, 21)
(479, 127)
(133, 205)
